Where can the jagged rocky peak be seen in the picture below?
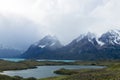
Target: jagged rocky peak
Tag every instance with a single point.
(48, 42)
(85, 47)
(88, 36)
(111, 37)
(49, 37)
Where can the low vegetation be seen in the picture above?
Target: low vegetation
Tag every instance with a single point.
(65, 71)
(111, 72)
(27, 64)
(4, 77)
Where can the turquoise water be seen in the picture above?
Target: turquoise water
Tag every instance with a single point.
(20, 59)
(45, 71)
(13, 59)
(59, 60)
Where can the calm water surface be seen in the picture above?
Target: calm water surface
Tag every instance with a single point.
(45, 71)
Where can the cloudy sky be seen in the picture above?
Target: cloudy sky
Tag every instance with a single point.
(23, 22)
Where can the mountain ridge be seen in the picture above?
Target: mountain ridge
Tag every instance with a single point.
(85, 47)
(8, 52)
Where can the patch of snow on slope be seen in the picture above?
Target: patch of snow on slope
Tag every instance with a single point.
(42, 46)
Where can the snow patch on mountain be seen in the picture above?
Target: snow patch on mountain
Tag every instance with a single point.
(53, 44)
(89, 36)
(42, 46)
(115, 36)
(80, 37)
(111, 37)
(100, 42)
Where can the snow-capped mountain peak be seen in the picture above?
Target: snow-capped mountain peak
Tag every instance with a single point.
(111, 37)
(88, 35)
(49, 37)
(48, 42)
(85, 47)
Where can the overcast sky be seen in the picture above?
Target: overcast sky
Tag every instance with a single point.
(23, 22)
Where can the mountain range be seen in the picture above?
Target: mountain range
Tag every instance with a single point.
(8, 52)
(86, 47)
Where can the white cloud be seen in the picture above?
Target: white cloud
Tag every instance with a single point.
(18, 32)
(66, 19)
(107, 16)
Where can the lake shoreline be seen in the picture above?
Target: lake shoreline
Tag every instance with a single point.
(46, 71)
(32, 64)
(107, 64)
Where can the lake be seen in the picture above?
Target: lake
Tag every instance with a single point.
(13, 59)
(21, 59)
(45, 71)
